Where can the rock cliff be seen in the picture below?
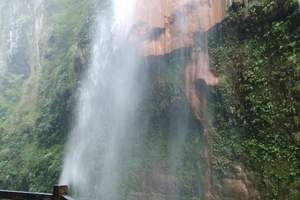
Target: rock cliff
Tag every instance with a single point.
(168, 26)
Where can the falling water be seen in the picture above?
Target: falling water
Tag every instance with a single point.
(21, 30)
(110, 139)
(106, 127)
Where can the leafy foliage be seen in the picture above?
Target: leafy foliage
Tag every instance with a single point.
(32, 137)
(261, 79)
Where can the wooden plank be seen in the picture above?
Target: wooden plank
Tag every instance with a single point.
(59, 193)
(15, 195)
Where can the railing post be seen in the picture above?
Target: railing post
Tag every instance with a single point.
(59, 191)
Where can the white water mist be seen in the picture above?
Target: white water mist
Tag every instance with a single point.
(107, 110)
(105, 154)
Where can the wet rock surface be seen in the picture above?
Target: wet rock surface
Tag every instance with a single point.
(238, 186)
(165, 26)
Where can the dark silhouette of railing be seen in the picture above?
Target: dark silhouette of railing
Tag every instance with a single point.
(59, 193)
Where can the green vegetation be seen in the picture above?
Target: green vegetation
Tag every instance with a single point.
(10, 93)
(257, 119)
(255, 110)
(34, 123)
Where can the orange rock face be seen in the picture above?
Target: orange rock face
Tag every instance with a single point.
(164, 26)
(167, 25)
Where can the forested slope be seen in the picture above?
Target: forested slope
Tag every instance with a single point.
(258, 60)
(36, 107)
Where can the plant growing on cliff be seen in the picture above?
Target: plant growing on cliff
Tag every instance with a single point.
(262, 73)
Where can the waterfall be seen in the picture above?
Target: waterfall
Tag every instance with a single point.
(21, 29)
(105, 130)
(106, 155)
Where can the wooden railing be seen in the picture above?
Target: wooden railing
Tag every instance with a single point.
(59, 193)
